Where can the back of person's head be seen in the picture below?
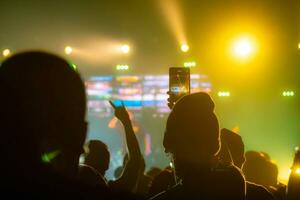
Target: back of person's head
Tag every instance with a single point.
(268, 171)
(162, 181)
(98, 156)
(118, 172)
(153, 171)
(293, 192)
(192, 130)
(42, 108)
(232, 148)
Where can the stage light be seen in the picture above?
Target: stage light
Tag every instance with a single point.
(125, 49)
(122, 67)
(185, 48)
(288, 93)
(297, 171)
(190, 64)
(6, 52)
(243, 47)
(223, 94)
(298, 45)
(68, 50)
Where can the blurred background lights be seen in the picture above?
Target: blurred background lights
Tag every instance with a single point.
(185, 48)
(223, 94)
(6, 52)
(297, 171)
(288, 93)
(68, 50)
(122, 67)
(190, 64)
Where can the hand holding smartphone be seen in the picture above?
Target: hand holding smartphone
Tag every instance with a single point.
(179, 84)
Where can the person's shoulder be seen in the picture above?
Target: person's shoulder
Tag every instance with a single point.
(229, 170)
(172, 193)
(255, 191)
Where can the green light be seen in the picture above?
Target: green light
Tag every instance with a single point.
(73, 66)
(190, 64)
(288, 93)
(223, 94)
(122, 67)
(48, 157)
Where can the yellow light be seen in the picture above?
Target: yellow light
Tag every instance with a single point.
(190, 64)
(297, 171)
(68, 50)
(6, 52)
(125, 48)
(298, 45)
(185, 48)
(223, 94)
(243, 47)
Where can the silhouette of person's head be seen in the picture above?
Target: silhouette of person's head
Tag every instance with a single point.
(192, 131)
(98, 156)
(293, 192)
(192, 137)
(42, 108)
(118, 172)
(268, 171)
(232, 148)
(153, 171)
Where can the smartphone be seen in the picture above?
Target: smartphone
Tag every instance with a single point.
(117, 103)
(179, 82)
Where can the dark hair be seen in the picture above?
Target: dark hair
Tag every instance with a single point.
(43, 104)
(98, 156)
(192, 124)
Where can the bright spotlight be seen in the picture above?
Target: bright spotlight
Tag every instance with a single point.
(6, 52)
(243, 48)
(125, 48)
(185, 48)
(297, 171)
(299, 45)
(68, 50)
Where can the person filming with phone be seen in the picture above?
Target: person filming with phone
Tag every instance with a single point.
(192, 138)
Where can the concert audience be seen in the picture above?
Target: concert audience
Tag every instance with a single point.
(43, 130)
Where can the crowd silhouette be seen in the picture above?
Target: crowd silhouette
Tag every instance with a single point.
(43, 134)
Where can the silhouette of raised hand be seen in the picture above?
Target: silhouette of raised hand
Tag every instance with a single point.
(120, 112)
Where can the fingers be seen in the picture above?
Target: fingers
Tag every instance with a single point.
(170, 105)
(112, 104)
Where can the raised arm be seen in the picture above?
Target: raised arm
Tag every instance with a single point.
(130, 175)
